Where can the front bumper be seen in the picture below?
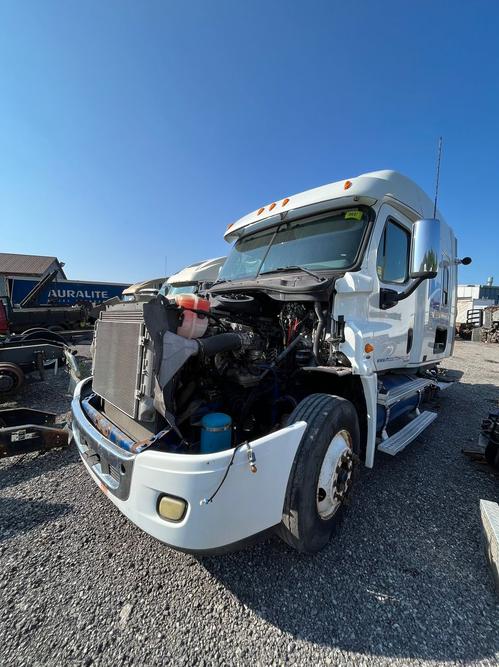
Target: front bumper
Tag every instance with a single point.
(246, 504)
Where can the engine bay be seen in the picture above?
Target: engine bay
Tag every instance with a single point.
(241, 354)
(249, 364)
(253, 378)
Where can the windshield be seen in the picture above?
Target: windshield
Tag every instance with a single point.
(172, 290)
(328, 242)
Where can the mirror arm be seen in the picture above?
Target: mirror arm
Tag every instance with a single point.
(390, 297)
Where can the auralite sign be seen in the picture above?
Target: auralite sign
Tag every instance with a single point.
(67, 292)
(88, 295)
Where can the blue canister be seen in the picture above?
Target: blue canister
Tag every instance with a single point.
(216, 432)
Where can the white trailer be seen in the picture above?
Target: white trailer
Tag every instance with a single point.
(320, 343)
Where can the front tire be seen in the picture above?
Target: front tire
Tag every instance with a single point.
(323, 471)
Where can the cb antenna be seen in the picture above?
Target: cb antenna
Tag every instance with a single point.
(439, 156)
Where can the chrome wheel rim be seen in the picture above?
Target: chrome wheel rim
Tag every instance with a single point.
(335, 477)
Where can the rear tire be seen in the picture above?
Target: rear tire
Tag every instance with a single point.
(323, 472)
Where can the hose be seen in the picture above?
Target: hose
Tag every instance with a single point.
(283, 354)
(206, 501)
(209, 347)
(319, 331)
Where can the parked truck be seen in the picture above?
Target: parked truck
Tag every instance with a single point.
(193, 278)
(26, 304)
(313, 354)
(143, 290)
(16, 320)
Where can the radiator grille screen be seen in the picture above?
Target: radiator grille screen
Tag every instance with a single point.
(117, 362)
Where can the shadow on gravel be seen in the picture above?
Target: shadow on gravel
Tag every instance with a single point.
(405, 576)
(20, 516)
(19, 469)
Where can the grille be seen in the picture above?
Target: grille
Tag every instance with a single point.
(115, 473)
(118, 358)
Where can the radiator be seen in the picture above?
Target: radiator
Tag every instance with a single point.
(121, 361)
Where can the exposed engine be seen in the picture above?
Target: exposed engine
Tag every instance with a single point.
(239, 354)
(247, 365)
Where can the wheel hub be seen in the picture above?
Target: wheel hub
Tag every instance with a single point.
(335, 476)
(11, 377)
(7, 382)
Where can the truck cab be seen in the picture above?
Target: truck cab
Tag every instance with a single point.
(313, 353)
(143, 290)
(193, 278)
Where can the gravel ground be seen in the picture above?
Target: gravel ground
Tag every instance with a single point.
(405, 582)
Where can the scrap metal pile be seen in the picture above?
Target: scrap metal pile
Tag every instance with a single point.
(35, 350)
(490, 329)
(490, 438)
(23, 430)
(481, 326)
(486, 450)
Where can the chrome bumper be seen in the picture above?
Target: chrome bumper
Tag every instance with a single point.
(112, 465)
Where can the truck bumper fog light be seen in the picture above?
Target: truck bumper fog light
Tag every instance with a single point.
(171, 508)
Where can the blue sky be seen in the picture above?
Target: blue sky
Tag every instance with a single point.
(132, 133)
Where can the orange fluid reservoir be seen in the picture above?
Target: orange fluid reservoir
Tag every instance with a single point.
(194, 321)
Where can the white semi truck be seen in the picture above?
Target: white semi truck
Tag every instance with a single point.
(314, 353)
(193, 277)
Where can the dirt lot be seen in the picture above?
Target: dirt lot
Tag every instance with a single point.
(405, 582)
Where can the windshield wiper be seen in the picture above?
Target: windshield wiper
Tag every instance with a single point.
(221, 280)
(280, 269)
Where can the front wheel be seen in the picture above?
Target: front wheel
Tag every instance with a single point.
(323, 471)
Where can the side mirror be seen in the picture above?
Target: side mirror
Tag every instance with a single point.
(425, 255)
(425, 248)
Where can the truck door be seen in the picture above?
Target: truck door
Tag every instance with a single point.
(438, 327)
(389, 262)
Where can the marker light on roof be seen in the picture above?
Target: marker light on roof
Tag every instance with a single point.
(347, 184)
(285, 201)
(272, 206)
(261, 210)
(229, 226)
